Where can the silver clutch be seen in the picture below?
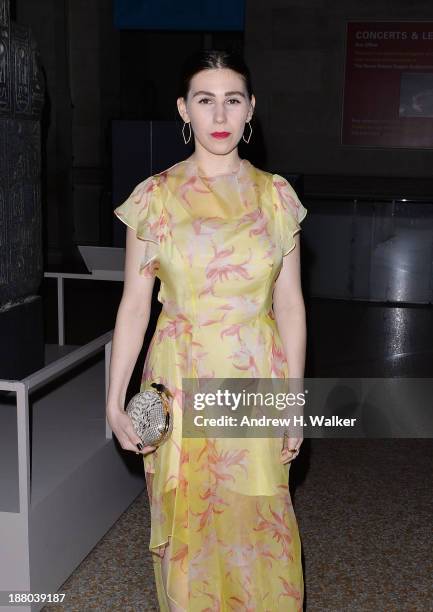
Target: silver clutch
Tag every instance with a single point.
(151, 415)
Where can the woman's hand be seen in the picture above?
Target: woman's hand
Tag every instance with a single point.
(123, 429)
(288, 445)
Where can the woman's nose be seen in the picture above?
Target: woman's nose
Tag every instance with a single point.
(220, 113)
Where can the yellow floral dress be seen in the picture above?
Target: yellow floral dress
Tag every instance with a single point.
(217, 244)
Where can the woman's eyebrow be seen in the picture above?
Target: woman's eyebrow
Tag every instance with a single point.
(227, 93)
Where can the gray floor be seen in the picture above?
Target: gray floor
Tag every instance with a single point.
(364, 509)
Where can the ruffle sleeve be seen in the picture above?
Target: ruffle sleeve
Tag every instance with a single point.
(289, 212)
(144, 215)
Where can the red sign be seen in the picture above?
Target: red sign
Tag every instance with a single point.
(388, 92)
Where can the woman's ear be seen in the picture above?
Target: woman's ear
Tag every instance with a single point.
(252, 107)
(181, 107)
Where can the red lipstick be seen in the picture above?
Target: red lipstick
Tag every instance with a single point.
(220, 134)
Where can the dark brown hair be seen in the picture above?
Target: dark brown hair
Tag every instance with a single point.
(213, 58)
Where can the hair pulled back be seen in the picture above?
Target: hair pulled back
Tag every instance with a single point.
(206, 59)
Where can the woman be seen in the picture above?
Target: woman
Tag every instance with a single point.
(222, 237)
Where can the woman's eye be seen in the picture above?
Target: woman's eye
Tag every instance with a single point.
(231, 101)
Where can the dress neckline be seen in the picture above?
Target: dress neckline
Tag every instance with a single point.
(228, 196)
(201, 174)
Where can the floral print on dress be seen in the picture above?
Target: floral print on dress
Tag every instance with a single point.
(217, 245)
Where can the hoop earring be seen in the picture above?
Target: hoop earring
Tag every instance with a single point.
(183, 132)
(251, 131)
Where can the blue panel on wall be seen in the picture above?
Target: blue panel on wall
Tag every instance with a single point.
(206, 15)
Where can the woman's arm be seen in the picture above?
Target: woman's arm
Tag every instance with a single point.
(131, 324)
(289, 310)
